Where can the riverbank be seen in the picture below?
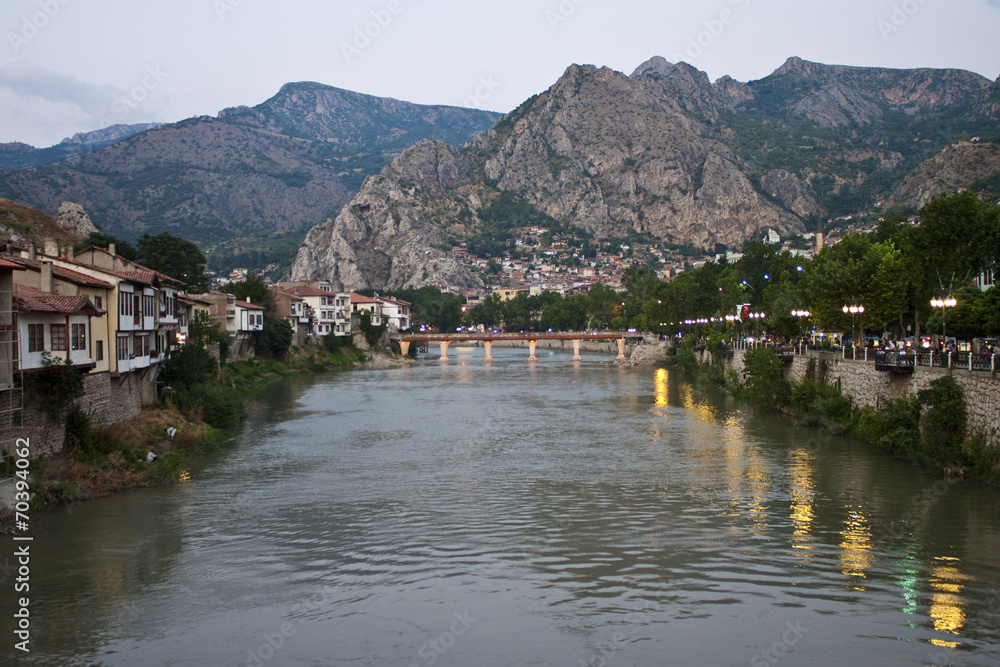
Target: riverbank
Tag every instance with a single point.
(159, 445)
(937, 424)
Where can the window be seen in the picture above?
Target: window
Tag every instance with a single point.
(78, 337)
(36, 338)
(99, 350)
(142, 346)
(125, 303)
(58, 334)
(122, 345)
(99, 302)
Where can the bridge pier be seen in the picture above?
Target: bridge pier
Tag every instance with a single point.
(621, 350)
(576, 349)
(531, 350)
(444, 350)
(404, 347)
(488, 344)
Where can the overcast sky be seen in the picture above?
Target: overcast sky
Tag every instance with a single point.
(76, 65)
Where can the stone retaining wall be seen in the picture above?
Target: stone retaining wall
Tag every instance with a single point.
(869, 388)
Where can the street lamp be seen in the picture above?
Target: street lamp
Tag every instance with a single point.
(854, 308)
(944, 304)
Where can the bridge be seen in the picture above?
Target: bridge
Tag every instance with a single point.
(487, 338)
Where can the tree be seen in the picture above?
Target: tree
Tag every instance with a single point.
(102, 240)
(253, 289)
(855, 269)
(275, 340)
(959, 235)
(175, 257)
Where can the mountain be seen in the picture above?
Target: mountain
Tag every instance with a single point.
(279, 166)
(663, 156)
(17, 155)
(966, 165)
(23, 225)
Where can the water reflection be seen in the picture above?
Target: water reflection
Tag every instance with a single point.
(803, 491)
(856, 557)
(947, 606)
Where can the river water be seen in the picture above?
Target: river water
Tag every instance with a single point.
(516, 513)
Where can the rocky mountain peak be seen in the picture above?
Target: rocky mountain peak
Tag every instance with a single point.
(657, 64)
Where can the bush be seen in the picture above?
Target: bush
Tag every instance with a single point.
(822, 405)
(947, 416)
(895, 427)
(79, 434)
(219, 407)
(274, 341)
(189, 367)
(765, 385)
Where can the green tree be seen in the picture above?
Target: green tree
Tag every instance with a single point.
(959, 235)
(253, 289)
(102, 240)
(765, 386)
(176, 257)
(275, 340)
(855, 268)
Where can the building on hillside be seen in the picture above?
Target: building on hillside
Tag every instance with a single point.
(396, 312)
(373, 306)
(330, 311)
(59, 280)
(294, 310)
(54, 327)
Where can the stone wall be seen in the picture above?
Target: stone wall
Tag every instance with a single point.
(108, 399)
(869, 388)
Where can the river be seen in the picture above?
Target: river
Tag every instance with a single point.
(516, 513)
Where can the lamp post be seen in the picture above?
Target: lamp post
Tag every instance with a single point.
(854, 308)
(944, 303)
(801, 315)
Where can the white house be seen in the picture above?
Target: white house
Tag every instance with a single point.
(54, 326)
(396, 312)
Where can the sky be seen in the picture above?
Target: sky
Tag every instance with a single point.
(70, 66)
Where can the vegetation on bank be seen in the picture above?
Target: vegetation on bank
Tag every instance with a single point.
(929, 428)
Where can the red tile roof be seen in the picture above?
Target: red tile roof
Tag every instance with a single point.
(36, 301)
(246, 305)
(69, 275)
(306, 290)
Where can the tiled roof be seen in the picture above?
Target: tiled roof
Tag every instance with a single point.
(69, 275)
(5, 264)
(360, 298)
(246, 305)
(306, 290)
(36, 301)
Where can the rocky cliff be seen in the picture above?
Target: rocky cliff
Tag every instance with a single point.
(22, 225)
(965, 165)
(663, 153)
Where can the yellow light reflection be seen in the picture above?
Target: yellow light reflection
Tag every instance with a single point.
(661, 387)
(947, 607)
(856, 556)
(803, 492)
